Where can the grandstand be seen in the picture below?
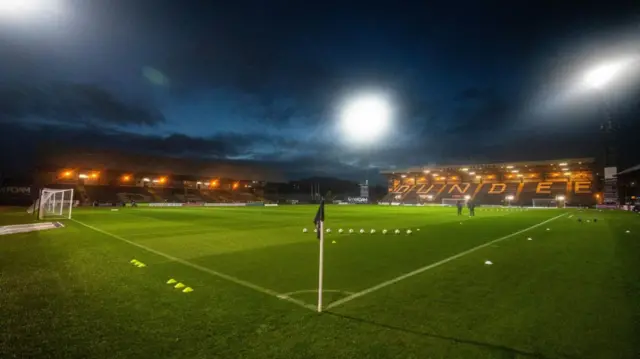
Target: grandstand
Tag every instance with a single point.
(114, 178)
(539, 183)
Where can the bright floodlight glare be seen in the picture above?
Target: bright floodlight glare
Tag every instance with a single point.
(366, 118)
(600, 76)
(19, 8)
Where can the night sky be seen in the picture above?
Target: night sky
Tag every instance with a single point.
(266, 80)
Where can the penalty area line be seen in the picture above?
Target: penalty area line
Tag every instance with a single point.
(434, 265)
(212, 272)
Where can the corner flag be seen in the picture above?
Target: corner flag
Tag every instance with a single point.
(319, 222)
(319, 219)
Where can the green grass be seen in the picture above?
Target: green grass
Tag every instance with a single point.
(571, 292)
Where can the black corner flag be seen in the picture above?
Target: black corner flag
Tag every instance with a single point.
(319, 219)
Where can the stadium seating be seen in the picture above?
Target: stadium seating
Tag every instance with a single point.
(541, 190)
(494, 193)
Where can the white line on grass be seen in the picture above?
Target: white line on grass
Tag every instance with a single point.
(433, 265)
(238, 281)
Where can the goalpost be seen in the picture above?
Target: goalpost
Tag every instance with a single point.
(453, 201)
(547, 203)
(53, 203)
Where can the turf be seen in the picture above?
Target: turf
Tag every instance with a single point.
(573, 291)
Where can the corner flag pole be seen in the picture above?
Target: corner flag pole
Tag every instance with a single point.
(320, 266)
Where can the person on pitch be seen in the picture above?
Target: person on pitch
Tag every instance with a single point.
(459, 205)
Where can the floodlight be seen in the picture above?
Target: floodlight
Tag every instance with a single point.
(83, 176)
(467, 197)
(509, 198)
(366, 118)
(560, 198)
(601, 75)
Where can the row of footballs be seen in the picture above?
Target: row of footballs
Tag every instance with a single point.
(362, 231)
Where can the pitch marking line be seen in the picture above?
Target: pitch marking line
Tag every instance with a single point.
(286, 295)
(238, 281)
(434, 265)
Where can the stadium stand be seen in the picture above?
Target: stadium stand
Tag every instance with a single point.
(559, 182)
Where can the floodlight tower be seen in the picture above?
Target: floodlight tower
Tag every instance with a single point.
(364, 120)
(599, 79)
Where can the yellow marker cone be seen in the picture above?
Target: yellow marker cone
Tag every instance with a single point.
(141, 265)
(134, 261)
(179, 285)
(171, 281)
(187, 290)
(334, 242)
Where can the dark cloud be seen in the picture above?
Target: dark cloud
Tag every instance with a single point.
(72, 103)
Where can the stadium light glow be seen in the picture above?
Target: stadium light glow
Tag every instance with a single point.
(472, 173)
(403, 176)
(198, 182)
(509, 167)
(366, 118)
(206, 183)
(514, 171)
(562, 164)
(94, 175)
(429, 197)
(66, 173)
(126, 178)
(83, 176)
(601, 75)
(235, 185)
(465, 169)
(478, 177)
(467, 197)
(567, 173)
(509, 198)
(146, 180)
(426, 171)
(560, 198)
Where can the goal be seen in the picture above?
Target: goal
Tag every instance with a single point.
(54, 203)
(452, 201)
(546, 203)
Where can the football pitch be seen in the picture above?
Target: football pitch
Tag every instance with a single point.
(557, 287)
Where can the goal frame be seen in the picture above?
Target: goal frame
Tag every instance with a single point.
(452, 202)
(52, 202)
(547, 203)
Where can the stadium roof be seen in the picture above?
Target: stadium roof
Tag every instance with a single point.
(498, 165)
(239, 170)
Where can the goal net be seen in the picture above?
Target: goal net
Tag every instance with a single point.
(452, 201)
(545, 203)
(54, 203)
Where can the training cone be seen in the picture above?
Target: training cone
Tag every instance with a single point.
(179, 285)
(171, 281)
(134, 261)
(141, 265)
(187, 290)
(333, 242)
(488, 263)
(529, 239)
